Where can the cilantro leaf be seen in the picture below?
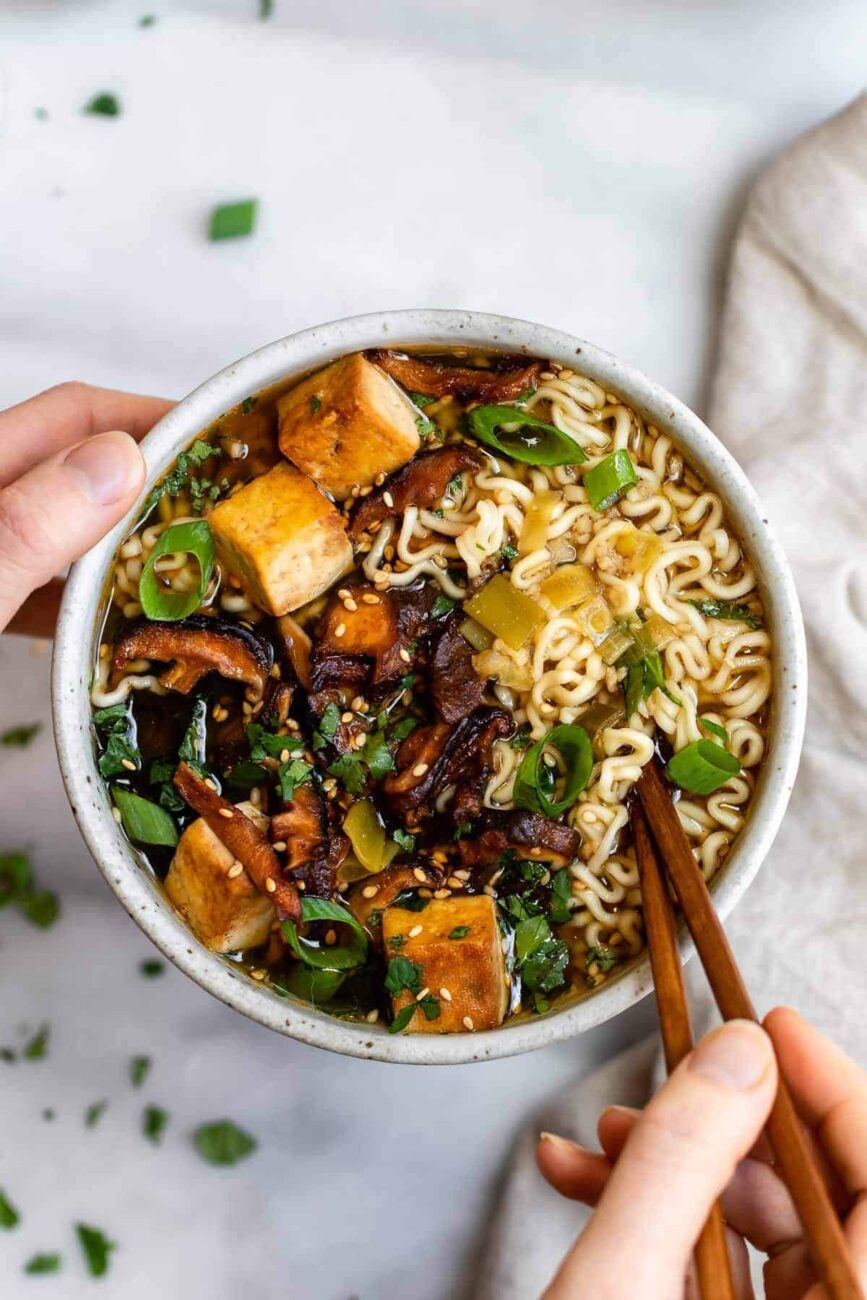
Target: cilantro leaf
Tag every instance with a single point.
(604, 958)
(404, 840)
(729, 610)
(37, 1048)
(94, 1113)
(21, 735)
(153, 1123)
(403, 974)
(96, 1247)
(293, 774)
(151, 967)
(459, 932)
(442, 605)
(223, 1143)
(9, 1216)
(349, 771)
(403, 1017)
(328, 724)
(43, 1263)
(139, 1068)
(103, 105)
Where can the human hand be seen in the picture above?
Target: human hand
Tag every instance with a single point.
(67, 475)
(697, 1139)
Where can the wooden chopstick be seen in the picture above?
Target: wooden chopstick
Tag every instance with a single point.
(788, 1139)
(711, 1255)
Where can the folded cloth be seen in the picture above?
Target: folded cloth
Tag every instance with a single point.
(788, 399)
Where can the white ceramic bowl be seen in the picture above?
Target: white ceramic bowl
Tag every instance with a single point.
(77, 630)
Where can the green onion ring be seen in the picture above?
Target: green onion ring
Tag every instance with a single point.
(320, 957)
(548, 447)
(159, 602)
(143, 821)
(608, 481)
(576, 750)
(702, 767)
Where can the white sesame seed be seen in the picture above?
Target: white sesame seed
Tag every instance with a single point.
(370, 891)
(419, 875)
(372, 1016)
(419, 769)
(284, 755)
(490, 891)
(128, 764)
(424, 993)
(258, 974)
(370, 598)
(343, 593)
(380, 478)
(350, 604)
(445, 995)
(227, 812)
(115, 812)
(454, 883)
(462, 874)
(340, 630)
(416, 930)
(468, 1023)
(279, 846)
(405, 655)
(388, 499)
(235, 870)
(365, 491)
(346, 717)
(442, 893)
(357, 704)
(271, 885)
(331, 938)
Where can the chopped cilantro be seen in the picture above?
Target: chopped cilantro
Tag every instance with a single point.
(442, 605)
(462, 830)
(96, 1247)
(139, 1067)
(509, 552)
(147, 20)
(521, 740)
(403, 1017)
(43, 1263)
(421, 400)
(403, 974)
(103, 105)
(266, 9)
(41, 907)
(293, 774)
(328, 724)
(9, 1216)
(459, 932)
(397, 941)
(455, 484)
(730, 610)
(153, 1123)
(151, 967)
(401, 729)
(431, 1007)
(349, 771)
(117, 734)
(21, 735)
(178, 478)
(604, 958)
(377, 755)
(94, 1113)
(161, 774)
(425, 426)
(265, 744)
(248, 404)
(315, 404)
(223, 1143)
(404, 840)
(37, 1047)
(410, 901)
(233, 220)
(561, 893)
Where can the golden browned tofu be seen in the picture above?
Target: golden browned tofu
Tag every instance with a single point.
(460, 951)
(283, 538)
(222, 906)
(346, 424)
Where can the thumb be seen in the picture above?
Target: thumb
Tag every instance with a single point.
(678, 1158)
(54, 513)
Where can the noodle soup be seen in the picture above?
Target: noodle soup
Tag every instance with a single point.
(382, 661)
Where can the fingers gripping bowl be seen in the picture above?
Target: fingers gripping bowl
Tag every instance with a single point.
(350, 708)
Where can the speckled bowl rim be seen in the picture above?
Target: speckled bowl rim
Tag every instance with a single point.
(73, 656)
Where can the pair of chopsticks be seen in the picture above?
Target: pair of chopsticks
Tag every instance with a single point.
(654, 819)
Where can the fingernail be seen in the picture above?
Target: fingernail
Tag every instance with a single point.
(559, 1143)
(738, 1055)
(110, 466)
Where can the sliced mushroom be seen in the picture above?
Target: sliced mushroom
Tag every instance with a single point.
(315, 847)
(195, 647)
(433, 759)
(241, 837)
(420, 483)
(370, 897)
(501, 383)
(296, 648)
(529, 834)
(456, 689)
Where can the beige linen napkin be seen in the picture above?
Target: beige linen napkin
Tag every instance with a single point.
(790, 401)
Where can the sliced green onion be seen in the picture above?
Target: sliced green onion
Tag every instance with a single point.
(143, 821)
(233, 220)
(607, 482)
(534, 780)
(714, 729)
(528, 440)
(702, 767)
(316, 986)
(160, 602)
(337, 957)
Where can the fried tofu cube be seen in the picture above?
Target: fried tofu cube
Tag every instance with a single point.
(227, 913)
(283, 538)
(460, 952)
(346, 424)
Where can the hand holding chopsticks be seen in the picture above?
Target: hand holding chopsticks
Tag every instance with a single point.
(788, 1139)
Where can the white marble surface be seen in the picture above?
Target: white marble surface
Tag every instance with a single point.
(576, 163)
